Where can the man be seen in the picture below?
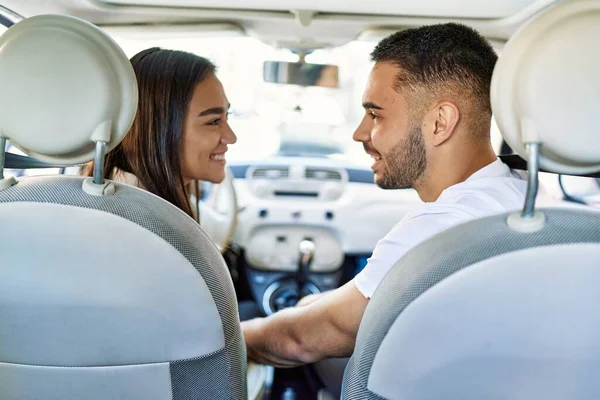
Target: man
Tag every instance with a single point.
(427, 126)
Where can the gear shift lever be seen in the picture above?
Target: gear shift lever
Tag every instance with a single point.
(288, 291)
(307, 253)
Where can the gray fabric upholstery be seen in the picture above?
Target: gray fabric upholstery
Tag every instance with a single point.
(331, 373)
(126, 382)
(442, 256)
(92, 276)
(200, 378)
(181, 232)
(523, 325)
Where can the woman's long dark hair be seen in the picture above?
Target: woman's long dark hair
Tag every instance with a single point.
(151, 150)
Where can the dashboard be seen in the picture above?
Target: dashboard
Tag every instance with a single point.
(338, 205)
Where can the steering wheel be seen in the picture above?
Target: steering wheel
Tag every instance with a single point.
(218, 213)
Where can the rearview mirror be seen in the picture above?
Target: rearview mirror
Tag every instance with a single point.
(302, 74)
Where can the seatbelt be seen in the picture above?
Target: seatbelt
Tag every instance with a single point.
(16, 161)
(515, 162)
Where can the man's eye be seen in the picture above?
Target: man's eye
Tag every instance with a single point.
(373, 116)
(214, 122)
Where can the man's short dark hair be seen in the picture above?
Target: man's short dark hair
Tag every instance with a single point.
(444, 59)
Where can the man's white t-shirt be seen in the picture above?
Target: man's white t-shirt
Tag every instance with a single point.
(494, 189)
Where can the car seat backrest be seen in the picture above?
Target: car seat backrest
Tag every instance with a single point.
(504, 307)
(106, 291)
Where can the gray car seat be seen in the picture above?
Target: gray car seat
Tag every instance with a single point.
(505, 307)
(106, 291)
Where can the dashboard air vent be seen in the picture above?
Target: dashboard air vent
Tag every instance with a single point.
(323, 174)
(271, 173)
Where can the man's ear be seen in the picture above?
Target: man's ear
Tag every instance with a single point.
(442, 120)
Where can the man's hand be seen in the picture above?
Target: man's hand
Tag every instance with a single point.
(323, 328)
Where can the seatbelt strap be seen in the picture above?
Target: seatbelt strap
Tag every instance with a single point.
(515, 162)
(16, 161)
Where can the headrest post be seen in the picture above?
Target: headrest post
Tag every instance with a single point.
(4, 182)
(2, 156)
(528, 220)
(533, 153)
(99, 162)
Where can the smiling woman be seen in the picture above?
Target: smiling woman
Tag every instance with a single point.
(180, 133)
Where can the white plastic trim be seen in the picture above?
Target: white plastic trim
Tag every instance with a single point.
(105, 189)
(7, 182)
(518, 223)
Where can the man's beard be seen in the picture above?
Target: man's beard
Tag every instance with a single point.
(405, 163)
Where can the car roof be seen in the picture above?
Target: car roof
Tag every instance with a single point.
(297, 23)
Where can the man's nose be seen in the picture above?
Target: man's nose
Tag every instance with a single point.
(362, 132)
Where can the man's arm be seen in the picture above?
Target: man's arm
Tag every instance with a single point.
(311, 298)
(324, 328)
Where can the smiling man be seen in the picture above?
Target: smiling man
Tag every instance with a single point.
(427, 126)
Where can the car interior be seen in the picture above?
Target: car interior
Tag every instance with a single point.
(110, 292)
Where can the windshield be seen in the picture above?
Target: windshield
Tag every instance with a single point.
(278, 119)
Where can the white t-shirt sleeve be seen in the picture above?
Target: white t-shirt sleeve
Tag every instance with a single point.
(411, 231)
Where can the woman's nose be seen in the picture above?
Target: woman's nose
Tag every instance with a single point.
(229, 136)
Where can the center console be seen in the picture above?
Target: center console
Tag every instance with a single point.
(287, 263)
(288, 201)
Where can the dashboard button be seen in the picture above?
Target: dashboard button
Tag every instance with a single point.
(327, 280)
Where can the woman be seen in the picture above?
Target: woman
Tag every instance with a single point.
(180, 132)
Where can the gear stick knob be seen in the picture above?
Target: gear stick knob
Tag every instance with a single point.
(307, 253)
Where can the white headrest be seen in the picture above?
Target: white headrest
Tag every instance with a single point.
(546, 87)
(65, 85)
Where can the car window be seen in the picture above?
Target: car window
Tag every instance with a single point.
(273, 118)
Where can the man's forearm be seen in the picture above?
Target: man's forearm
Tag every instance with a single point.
(301, 335)
(273, 340)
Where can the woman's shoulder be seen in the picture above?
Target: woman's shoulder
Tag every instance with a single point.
(120, 176)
